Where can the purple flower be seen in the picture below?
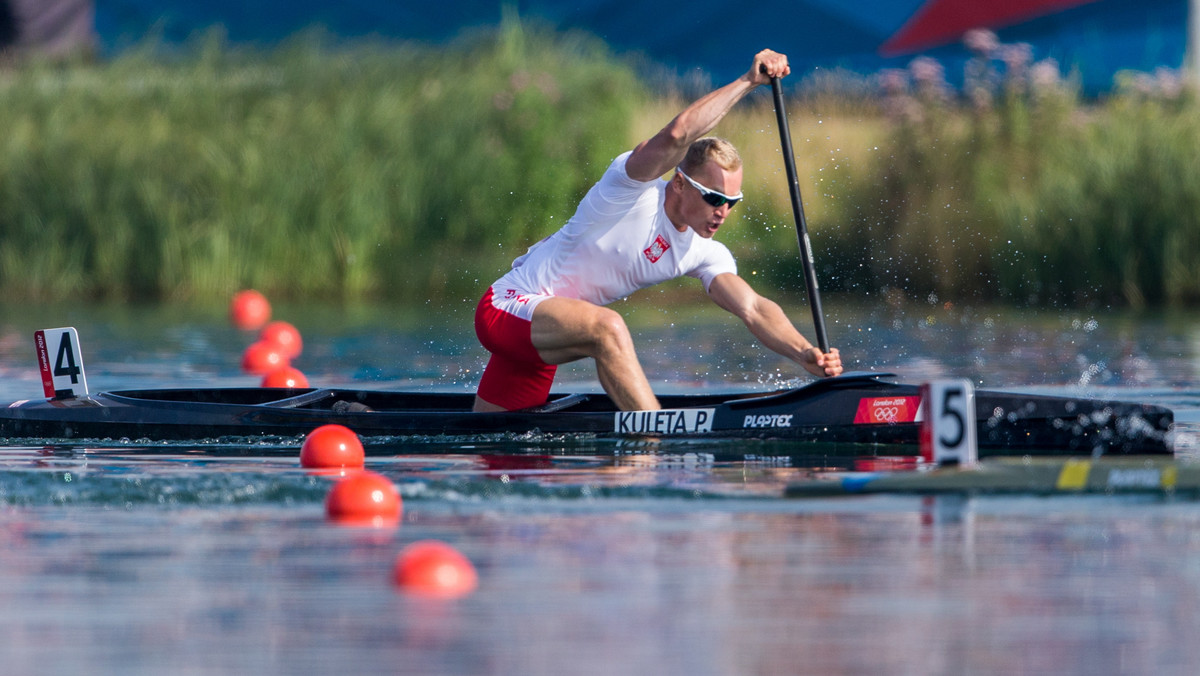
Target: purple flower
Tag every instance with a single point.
(893, 81)
(1045, 75)
(981, 41)
(1017, 56)
(1170, 84)
(927, 71)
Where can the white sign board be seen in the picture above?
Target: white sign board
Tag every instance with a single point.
(664, 422)
(60, 362)
(948, 431)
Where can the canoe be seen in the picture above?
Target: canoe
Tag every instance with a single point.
(855, 408)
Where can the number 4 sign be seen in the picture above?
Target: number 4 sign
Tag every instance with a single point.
(61, 363)
(948, 431)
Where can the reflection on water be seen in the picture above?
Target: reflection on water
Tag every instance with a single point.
(594, 556)
(650, 582)
(682, 348)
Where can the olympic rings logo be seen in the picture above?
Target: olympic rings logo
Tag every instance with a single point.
(886, 410)
(887, 414)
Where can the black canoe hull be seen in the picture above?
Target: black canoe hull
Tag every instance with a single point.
(855, 408)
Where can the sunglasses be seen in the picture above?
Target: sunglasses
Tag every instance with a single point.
(710, 196)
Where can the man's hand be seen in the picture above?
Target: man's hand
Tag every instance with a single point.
(768, 64)
(662, 152)
(822, 363)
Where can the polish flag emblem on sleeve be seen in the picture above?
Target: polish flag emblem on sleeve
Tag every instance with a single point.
(656, 250)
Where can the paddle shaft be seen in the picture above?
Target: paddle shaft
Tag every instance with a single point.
(806, 255)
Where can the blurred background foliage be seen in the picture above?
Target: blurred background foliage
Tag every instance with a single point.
(323, 170)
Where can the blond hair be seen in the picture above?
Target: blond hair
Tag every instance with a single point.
(711, 149)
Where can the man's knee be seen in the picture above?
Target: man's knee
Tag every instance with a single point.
(610, 331)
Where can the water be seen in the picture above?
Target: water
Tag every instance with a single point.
(594, 557)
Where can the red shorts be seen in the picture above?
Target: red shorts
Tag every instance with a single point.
(515, 377)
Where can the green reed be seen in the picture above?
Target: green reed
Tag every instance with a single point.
(310, 171)
(1019, 191)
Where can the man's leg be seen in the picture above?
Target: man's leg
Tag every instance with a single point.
(484, 406)
(516, 376)
(566, 329)
(510, 384)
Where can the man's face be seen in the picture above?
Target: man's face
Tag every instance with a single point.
(698, 214)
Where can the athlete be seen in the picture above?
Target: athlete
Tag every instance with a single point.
(632, 230)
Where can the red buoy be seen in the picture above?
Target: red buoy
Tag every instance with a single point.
(249, 310)
(261, 358)
(331, 447)
(364, 499)
(284, 336)
(435, 569)
(286, 376)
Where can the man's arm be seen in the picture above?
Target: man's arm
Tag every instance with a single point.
(767, 321)
(661, 153)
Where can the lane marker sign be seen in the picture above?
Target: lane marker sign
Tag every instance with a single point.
(60, 362)
(948, 432)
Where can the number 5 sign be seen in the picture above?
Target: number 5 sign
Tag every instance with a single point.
(61, 363)
(948, 431)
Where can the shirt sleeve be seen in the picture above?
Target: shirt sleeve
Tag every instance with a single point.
(717, 260)
(617, 187)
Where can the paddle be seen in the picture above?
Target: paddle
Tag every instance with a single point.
(810, 272)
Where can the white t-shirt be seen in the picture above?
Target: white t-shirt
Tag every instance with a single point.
(619, 240)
